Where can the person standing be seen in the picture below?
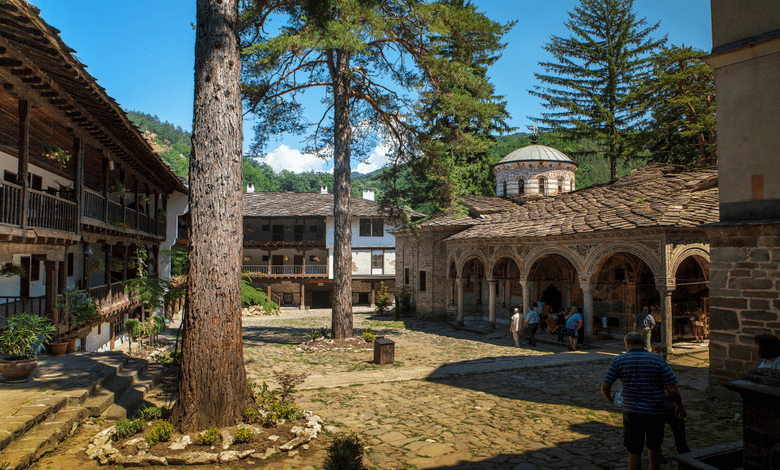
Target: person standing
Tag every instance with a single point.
(516, 326)
(645, 377)
(675, 424)
(532, 319)
(560, 321)
(646, 322)
(573, 324)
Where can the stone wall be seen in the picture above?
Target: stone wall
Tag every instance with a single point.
(745, 295)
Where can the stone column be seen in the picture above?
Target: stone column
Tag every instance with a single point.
(526, 296)
(460, 282)
(587, 307)
(666, 292)
(492, 304)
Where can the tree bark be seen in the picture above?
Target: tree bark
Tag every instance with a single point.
(213, 389)
(342, 243)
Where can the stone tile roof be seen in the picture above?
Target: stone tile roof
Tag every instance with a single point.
(293, 204)
(655, 196)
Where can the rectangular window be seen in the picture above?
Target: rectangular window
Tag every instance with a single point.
(71, 260)
(422, 281)
(8, 176)
(406, 276)
(265, 257)
(35, 270)
(377, 260)
(372, 227)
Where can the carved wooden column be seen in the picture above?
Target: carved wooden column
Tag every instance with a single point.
(492, 304)
(460, 282)
(78, 181)
(525, 284)
(52, 276)
(105, 191)
(24, 157)
(303, 301)
(587, 316)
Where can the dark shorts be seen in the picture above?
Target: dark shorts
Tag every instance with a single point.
(640, 430)
(572, 332)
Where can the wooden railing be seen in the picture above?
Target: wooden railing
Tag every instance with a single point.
(10, 306)
(52, 212)
(276, 298)
(108, 295)
(286, 270)
(115, 216)
(94, 206)
(10, 203)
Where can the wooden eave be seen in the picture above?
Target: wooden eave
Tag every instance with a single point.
(38, 66)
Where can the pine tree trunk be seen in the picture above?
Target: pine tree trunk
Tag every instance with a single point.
(342, 243)
(213, 389)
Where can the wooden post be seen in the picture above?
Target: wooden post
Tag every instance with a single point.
(122, 200)
(78, 181)
(105, 189)
(303, 301)
(24, 156)
(137, 206)
(51, 290)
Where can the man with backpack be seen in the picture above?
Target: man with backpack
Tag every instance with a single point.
(646, 322)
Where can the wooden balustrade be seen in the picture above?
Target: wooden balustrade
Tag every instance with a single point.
(10, 203)
(286, 270)
(94, 206)
(51, 212)
(10, 306)
(115, 217)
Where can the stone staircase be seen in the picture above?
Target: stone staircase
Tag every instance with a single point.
(42, 422)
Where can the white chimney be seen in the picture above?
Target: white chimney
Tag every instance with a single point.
(323, 190)
(250, 188)
(368, 194)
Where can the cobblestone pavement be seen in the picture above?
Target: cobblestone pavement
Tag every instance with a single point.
(499, 407)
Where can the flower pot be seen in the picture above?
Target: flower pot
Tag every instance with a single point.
(17, 370)
(71, 345)
(59, 348)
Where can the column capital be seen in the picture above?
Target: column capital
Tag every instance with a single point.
(665, 285)
(460, 281)
(492, 281)
(587, 287)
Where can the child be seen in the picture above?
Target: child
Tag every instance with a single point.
(677, 425)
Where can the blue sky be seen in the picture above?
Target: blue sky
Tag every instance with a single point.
(142, 52)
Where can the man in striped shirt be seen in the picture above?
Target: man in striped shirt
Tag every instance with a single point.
(644, 376)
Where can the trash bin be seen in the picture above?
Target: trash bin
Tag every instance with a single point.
(384, 351)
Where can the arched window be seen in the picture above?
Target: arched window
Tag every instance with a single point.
(521, 186)
(504, 189)
(560, 185)
(571, 185)
(542, 185)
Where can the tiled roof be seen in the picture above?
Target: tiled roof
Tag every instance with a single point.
(292, 204)
(655, 196)
(536, 153)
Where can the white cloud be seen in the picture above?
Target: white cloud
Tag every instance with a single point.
(375, 161)
(285, 158)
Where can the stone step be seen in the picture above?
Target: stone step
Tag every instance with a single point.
(113, 388)
(132, 399)
(43, 438)
(41, 424)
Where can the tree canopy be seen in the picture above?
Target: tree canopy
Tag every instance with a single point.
(588, 86)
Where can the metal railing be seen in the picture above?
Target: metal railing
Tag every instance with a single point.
(51, 212)
(10, 203)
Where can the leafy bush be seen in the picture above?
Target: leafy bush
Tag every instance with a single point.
(403, 303)
(278, 404)
(128, 427)
(252, 296)
(382, 299)
(81, 309)
(150, 413)
(345, 453)
(208, 437)
(244, 435)
(160, 432)
(314, 334)
(24, 334)
(368, 334)
(169, 356)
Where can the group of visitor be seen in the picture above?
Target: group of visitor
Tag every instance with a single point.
(564, 322)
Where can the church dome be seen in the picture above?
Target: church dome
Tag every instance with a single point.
(536, 153)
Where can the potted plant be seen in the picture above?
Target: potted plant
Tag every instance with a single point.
(52, 152)
(21, 340)
(82, 311)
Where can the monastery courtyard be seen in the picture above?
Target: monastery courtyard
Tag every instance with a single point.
(457, 399)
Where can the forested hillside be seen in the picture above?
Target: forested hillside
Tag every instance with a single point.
(173, 144)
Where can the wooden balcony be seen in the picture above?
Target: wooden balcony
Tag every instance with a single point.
(288, 240)
(266, 270)
(114, 216)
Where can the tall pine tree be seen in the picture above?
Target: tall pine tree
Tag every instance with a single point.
(588, 86)
(680, 92)
(459, 116)
(364, 54)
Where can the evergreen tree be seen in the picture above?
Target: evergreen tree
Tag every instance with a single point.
(588, 86)
(353, 49)
(459, 116)
(680, 91)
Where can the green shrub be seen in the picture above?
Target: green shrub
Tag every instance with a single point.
(278, 404)
(244, 435)
(314, 334)
(150, 413)
(160, 432)
(382, 299)
(368, 334)
(208, 437)
(403, 303)
(252, 296)
(250, 415)
(345, 453)
(170, 357)
(128, 427)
